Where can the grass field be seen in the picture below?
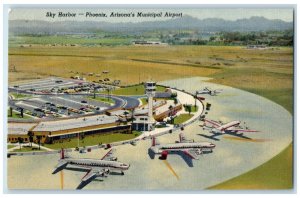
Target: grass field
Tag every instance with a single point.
(268, 73)
(134, 90)
(17, 115)
(182, 118)
(67, 39)
(18, 95)
(193, 108)
(27, 149)
(144, 101)
(102, 99)
(10, 146)
(93, 140)
(274, 174)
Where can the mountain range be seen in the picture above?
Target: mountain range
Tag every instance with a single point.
(184, 23)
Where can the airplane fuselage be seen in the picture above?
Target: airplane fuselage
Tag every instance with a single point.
(95, 163)
(222, 129)
(203, 146)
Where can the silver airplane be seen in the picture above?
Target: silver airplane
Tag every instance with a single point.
(187, 147)
(94, 167)
(209, 91)
(218, 128)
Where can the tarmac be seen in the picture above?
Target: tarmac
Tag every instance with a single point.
(232, 156)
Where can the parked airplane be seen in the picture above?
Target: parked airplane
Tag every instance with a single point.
(219, 128)
(187, 147)
(209, 91)
(95, 167)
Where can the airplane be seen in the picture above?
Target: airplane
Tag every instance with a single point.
(95, 167)
(209, 91)
(219, 128)
(183, 146)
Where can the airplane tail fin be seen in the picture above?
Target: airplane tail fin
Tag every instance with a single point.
(182, 137)
(155, 141)
(63, 153)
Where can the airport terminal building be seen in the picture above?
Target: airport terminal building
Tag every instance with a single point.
(52, 131)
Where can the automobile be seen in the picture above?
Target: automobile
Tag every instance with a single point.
(83, 101)
(31, 89)
(16, 86)
(161, 124)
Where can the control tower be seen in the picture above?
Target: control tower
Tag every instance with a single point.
(150, 88)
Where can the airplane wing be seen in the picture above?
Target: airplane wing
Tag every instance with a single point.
(234, 129)
(90, 176)
(214, 123)
(108, 155)
(60, 166)
(192, 153)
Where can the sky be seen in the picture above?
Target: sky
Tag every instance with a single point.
(285, 14)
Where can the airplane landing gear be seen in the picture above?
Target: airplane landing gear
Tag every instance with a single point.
(122, 173)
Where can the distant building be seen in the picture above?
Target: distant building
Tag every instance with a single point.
(256, 46)
(148, 43)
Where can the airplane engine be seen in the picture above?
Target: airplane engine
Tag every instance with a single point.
(164, 155)
(198, 151)
(113, 159)
(106, 171)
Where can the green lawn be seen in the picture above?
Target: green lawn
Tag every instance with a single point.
(17, 115)
(144, 101)
(18, 95)
(134, 90)
(26, 149)
(193, 109)
(182, 118)
(63, 40)
(10, 146)
(94, 140)
(102, 99)
(275, 174)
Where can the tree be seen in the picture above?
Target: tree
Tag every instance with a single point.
(82, 136)
(22, 115)
(30, 134)
(125, 115)
(38, 139)
(10, 110)
(132, 117)
(195, 97)
(20, 140)
(175, 101)
(189, 108)
(171, 113)
(94, 92)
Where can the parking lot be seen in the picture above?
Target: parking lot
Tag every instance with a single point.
(61, 106)
(58, 97)
(57, 85)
